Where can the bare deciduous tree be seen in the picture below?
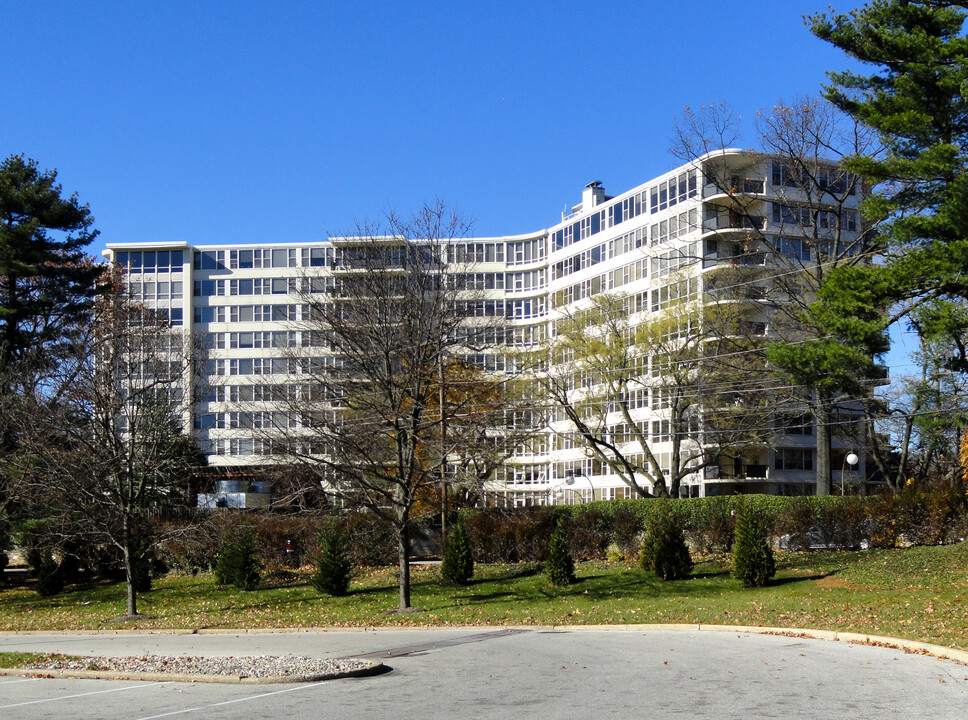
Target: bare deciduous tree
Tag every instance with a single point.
(387, 407)
(810, 226)
(102, 441)
(627, 381)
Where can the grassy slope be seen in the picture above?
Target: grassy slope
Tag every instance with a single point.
(916, 593)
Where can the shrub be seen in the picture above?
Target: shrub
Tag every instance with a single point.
(589, 533)
(559, 565)
(753, 562)
(664, 550)
(50, 579)
(371, 539)
(711, 524)
(332, 575)
(458, 564)
(237, 563)
(626, 530)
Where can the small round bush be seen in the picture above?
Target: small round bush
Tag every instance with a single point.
(50, 579)
(753, 562)
(664, 550)
(237, 562)
(458, 564)
(333, 567)
(559, 565)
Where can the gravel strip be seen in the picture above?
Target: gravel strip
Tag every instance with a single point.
(259, 668)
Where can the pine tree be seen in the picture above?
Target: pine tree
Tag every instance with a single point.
(458, 564)
(664, 549)
(559, 565)
(46, 278)
(333, 567)
(50, 579)
(753, 561)
(915, 98)
(237, 562)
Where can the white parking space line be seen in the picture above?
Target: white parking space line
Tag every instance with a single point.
(202, 708)
(139, 686)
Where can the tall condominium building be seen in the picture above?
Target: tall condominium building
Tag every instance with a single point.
(715, 232)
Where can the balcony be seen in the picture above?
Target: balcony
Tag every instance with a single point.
(746, 472)
(733, 221)
(733, 186)
(736, 292)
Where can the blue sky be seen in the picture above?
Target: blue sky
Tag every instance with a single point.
(243, 121)
(232, 122)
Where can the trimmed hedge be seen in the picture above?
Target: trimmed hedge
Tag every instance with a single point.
(497, 535)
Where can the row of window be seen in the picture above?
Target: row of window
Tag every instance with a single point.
(263, 258)
(674, 260)
(588, 287)
(628, 273)
(585, 259)
(676, 226)
(256, 339)
(263, 286)
(153, 291)
(809, 217)
(828, 179)
(675, 190)
(526, 251)
(527, 280)
(314, 365)
(248, 313)
(463, 253)
(137, 261)
(526, 309)
(268, 392)
(661, 197)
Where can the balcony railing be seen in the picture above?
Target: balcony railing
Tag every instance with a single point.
(738, 292)
(733, 222)
(734, 185)
(747, 472)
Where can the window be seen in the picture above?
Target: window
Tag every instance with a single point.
(210, 260)
(794, 459)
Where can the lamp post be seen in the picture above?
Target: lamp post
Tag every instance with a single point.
(570, 476)
(849, 459)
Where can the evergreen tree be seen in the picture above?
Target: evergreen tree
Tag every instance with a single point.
(915, 97)
(237, 562)
(333, 565)
(753, 561)
(559, 565)
(46, 278)
(664, 549)
(458, 564)
(50, 579)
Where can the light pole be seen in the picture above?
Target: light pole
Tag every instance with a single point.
(849, 459)
(570, 476)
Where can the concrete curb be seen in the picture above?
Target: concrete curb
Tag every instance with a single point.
(909, 646)
(373, 667)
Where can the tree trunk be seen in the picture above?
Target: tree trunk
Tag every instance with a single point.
(129, 570)
(821, 414)
(403, 550)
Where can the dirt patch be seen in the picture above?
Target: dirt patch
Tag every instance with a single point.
(832, 581)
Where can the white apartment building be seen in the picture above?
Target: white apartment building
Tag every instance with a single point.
(654, 243)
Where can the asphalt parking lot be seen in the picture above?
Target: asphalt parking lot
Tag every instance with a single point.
(494, 673)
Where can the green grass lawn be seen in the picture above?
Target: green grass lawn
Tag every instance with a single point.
(916, 593)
